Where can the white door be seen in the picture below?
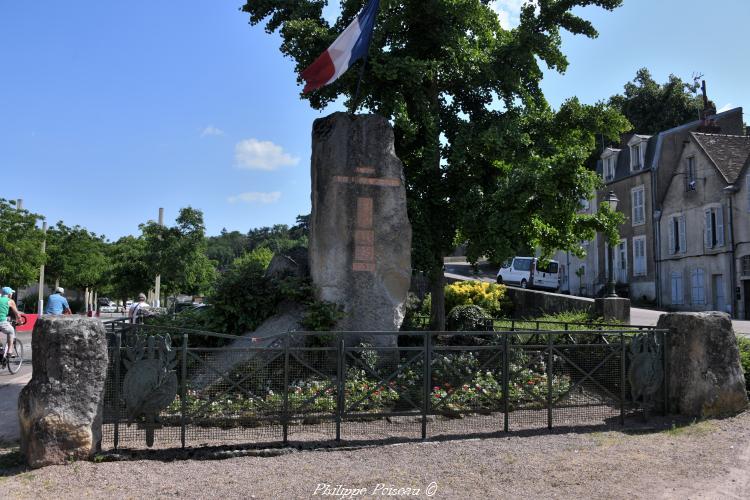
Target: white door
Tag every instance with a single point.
(720, 303)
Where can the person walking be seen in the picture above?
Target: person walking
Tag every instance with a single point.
(7, 307)
(138, 310)
(57, 304)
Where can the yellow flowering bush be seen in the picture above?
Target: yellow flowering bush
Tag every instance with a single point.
(491, 297)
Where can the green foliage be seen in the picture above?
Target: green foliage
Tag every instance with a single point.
(128, 275)
(280, 237)
(178, 253)
(20, 246)
(652, 107)
(225, 248)
(77, 258)
(322, 316)
(468, 318)
(743, 343)
(490, 297)
(483, 153)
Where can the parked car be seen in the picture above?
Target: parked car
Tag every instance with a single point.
(527, 272)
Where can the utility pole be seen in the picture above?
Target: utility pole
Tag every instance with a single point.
(40, 307)
(157, 284)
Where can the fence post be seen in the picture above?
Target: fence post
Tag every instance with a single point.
(623, 360)
(183, 388)
(549, 381)
(285, 408)
(340, 353)
(427, 374)
(506, 368)
(118, 343)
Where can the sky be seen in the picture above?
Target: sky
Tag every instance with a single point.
(110, 110)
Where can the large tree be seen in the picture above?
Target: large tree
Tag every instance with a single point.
(76, 257)
(178, 254)
(652, 107)
(470, 120)
(20, 245)
(128, 273)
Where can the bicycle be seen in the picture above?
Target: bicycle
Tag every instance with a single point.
(14, 358)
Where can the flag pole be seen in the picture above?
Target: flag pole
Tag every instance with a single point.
(359, 83)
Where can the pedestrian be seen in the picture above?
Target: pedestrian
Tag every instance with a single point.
(7, 306)
(138, 310)
(57, 304)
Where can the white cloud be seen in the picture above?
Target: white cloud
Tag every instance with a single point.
(255, 197)
(509, 11)
(211, 130)
(262, 155)
(725, 107)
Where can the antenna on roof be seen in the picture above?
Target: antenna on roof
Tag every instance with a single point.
(705, 96)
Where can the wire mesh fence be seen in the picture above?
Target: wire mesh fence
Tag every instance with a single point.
(170, 387)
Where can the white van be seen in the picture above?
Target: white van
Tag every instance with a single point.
(528, 273)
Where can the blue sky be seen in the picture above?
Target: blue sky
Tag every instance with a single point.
(111, 110)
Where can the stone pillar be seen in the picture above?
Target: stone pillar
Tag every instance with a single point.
(613, 309)
(59, 410)
(360, 235)
(704, 374)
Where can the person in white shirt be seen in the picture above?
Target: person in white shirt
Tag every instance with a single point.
(138, 310)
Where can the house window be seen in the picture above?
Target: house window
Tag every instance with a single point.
(677, 239)
(638, 206)
(714, 228)
(609, 168)
(677, 292)
(639, 256)
(690, 174)
(745, 265)
(698, 286)
(636, 156)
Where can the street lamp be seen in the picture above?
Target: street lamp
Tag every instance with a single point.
(611, 201)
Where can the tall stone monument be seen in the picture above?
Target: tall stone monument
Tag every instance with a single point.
(360, 235)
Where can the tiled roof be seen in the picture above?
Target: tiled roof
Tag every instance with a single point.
(728, 152)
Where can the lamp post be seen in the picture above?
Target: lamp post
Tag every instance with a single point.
(611, 201)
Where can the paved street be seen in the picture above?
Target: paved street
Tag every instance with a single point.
(638, 316)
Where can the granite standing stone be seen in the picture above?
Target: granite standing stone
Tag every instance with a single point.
(704, 372)
(360, 235)
(59, 410)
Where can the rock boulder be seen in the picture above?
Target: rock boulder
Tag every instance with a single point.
(360, 235)
(59, 410)
(704, 372)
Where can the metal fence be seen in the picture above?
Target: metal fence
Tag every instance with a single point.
(172, 387)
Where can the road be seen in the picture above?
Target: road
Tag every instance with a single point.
(638, 316)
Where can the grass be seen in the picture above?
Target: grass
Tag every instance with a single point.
(694, 428)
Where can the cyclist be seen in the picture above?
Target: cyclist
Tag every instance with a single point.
(7, 305)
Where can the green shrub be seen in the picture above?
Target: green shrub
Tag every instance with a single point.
(322, 316)
(468, 318)
(491, 297)
(744, 345)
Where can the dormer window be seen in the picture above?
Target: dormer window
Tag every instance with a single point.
(637, 145)
(609, 161)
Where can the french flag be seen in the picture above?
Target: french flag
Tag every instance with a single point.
(350, 46)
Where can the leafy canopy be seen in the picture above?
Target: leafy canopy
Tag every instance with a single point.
(77, 258)
(20, 246)
(652, 107)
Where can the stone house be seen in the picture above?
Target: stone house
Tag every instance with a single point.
(705, 226)
(578, 274)
(640, 171)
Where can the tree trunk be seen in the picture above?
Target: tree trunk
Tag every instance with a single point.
(437, 293)
(57, 283)
(86, 301)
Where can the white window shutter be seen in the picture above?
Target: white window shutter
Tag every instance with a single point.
(683, 238)
(708, 239)
(720, 226)
(671, 235)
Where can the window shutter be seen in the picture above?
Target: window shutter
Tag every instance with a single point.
(708, 237)
(747, 188)
(683, 239)
(671, 235)
(720, 226)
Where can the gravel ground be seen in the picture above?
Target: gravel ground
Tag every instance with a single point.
(709, 459)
